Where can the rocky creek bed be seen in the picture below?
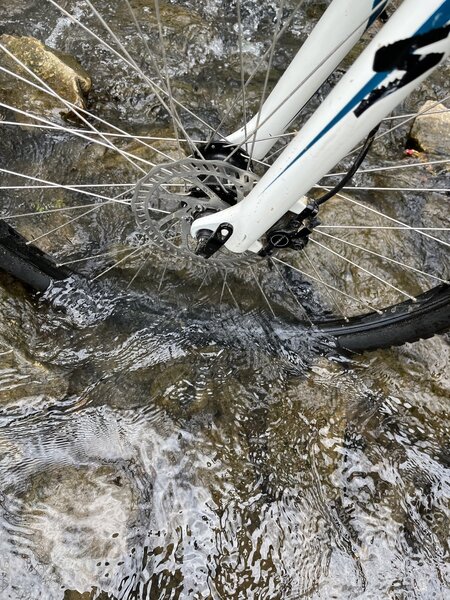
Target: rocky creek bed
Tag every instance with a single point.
(155, 448)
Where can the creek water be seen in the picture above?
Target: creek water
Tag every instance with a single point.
(156, 447)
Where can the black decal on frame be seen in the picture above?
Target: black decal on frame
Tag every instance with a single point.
(400, 56)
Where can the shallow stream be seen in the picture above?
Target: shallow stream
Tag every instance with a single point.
(154, 448)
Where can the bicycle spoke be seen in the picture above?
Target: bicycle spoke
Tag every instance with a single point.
(290, 290)
(72, 189)
(77, 110)
(91, 257)
(105, 133)
(203, 281)
(238, 98)
(223, 288)
(266, 80)
(408, 119)
(48, 211)
(156, 88)
(122, 260)
(77, 218)
(89, 185)
(131, 158)
(421, 231)
(376, 227)
(232, 297)
(273, 154)
(354, 264)
(328, 285)
(241, 60)
(429, 112)
(92, 208)
(404, 122)
(142, 266)
(396, 117)
(416, 165)
(394, 189)
(174, 114)
(262, 292)
(132, 63)
(382, 257)
(329, 292)
(68, 185)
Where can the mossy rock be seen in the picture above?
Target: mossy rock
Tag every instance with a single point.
(61, 72)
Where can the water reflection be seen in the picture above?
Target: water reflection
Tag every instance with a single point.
(137, 463)
(149, 450)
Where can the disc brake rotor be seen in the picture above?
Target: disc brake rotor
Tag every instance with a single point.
(172, 195)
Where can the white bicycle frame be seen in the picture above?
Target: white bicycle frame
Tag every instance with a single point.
(382, 77)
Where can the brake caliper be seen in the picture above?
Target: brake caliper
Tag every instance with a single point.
(295, 233)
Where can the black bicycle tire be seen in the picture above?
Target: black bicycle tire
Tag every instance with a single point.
(27, 262)
(398, 324)
(408, 321)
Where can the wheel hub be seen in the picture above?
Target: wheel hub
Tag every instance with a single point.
(173, 195)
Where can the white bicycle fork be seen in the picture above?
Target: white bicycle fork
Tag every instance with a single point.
(409, 47)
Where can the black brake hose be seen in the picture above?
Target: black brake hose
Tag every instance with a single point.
(355, 166)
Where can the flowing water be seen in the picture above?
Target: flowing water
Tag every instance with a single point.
(155, 448)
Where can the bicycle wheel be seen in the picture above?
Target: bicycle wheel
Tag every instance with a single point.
(168, 79)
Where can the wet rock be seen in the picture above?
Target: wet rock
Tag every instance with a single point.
(60, 71)
(122, 92)
(74, 595)
(97, 161)
(27, 385)
(362, 246)
(431, 131)
(15, 7)
(63, 233)
(92, 595)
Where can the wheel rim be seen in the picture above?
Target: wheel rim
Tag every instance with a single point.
(332, 243)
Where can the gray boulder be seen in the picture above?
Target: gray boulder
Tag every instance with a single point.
(431, 131)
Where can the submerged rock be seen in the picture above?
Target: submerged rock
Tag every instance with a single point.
(27, 385)
(431, 131)
(69, 502)
(60, 71)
